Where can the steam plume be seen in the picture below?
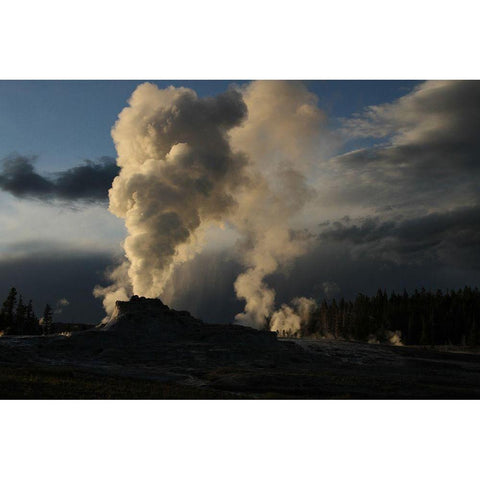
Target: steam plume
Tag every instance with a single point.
(279, 138)
(288, 320)
(178, 174)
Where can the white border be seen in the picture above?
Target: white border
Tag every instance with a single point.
(252, 39)
(239, 439)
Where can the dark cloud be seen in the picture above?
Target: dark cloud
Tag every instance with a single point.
(331, 262)
(88, 182)
(448, 238)
(430, 150)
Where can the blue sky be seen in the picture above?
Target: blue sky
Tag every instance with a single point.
(64, 122)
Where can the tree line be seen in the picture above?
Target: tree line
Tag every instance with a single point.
(18, 317)
(423, 318)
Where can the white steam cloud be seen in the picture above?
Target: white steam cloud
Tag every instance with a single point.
(177, 175)
(288, 321)
(243, 158)
(60, 305)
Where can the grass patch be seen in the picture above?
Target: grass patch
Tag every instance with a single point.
(40, 383)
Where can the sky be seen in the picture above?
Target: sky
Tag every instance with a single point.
(65, 122)
(378, 189)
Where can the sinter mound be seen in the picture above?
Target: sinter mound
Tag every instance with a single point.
(150, 319)
(144, 332)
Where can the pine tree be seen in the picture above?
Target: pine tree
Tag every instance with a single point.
(20, 315)
(47, 320)
(7, 311)
(31, 322)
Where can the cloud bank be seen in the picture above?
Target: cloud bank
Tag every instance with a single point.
(88, 182)
(449, 238)
(428, 155)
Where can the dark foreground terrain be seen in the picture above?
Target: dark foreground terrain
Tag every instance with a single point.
(149, 351)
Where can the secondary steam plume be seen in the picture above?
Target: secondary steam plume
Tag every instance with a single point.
(282, 141)
(178, 174)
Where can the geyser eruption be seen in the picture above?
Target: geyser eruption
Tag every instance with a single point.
(188, 162)
(178, 174)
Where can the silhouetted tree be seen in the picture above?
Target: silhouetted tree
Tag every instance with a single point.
(451, 317)
(31, 321)
(20, 314)
(7, 311)
(47, 319)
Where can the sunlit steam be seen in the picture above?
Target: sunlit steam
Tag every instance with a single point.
(242, 158)
(281, 139)
(178, 174)
(289, 321)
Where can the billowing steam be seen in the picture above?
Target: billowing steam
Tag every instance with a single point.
(178, 174)
(242, 158)
(282, 131)
(288, 321)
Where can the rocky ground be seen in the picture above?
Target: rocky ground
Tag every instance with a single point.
(147, 350)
